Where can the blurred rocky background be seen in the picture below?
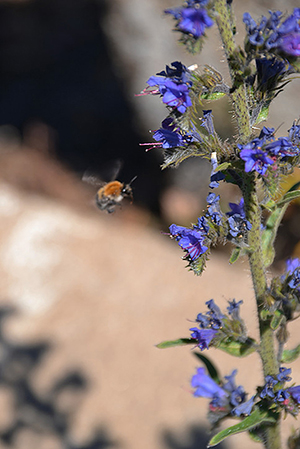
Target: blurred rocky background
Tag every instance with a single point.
(85, 296)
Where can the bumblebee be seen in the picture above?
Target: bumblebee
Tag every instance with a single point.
(111, 194)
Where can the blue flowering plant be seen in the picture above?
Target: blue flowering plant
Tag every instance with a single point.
(256, 160)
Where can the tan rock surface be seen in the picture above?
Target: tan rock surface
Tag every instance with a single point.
(104, 290)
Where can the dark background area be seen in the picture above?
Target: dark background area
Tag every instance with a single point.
(55, 68)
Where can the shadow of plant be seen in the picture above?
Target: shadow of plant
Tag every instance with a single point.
(40, 421)
(194, 437)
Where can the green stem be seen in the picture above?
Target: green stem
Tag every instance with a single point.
(238, 91)
(252, 208)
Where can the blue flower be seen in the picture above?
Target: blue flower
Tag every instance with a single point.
(281, 396)
(203, 336)
(189, 240)
(268, 390)
(216, 176)
(290, 44)
(293, 271)
(238, 224)
(255, 158)
(268, 72)
(169, 136)
(244, 408)
(295, 393)
(294, 134)
(207, 122)
(206, 387)
(234, 309)
(213, 210)
(281, 147)
(173, 84)
(283, 375)
(202, 225)
(270, 34)
(192, 19)
(213, 318)
(267, 133)
(215, 314)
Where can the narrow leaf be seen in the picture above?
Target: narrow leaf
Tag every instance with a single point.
(235, 255)
(212, 370)
(276, 320)
(269, 234)
(223, 166)
(237, 348)
(289, 196)
(256, 418)
(178, 342)
(289, 355)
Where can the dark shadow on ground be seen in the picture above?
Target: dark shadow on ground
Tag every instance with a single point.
(192, 437)
(36, 417)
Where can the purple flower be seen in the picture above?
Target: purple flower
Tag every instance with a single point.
(283, 375)
(215, 314)
(213, 210)
(281, 396)
(202, 225)
(207, 122)
(290, 44)
(294, 134)
(244, 408)
(281, 147)
(238, 225)
(173, 84)
(268, 72)
(268, 390)
(215, 177)
(267, 133)
(175, 95)
(295, 393)
(234, 309)
(293, 271)
(170, 137)
(189, 240)
(255, 158)
(206, 387)
(203, 336)
(178, 72)
(191, 19)
(237, 209)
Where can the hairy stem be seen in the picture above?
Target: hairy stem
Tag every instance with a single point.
(252, 209)
(238, 90)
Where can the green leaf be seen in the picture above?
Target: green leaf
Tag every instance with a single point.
(235, 255)
(289, 196)
(178, 342)
(269, 233)
(237, 348)
(276, 320)
(263, 115)
(223, 166)
(212, 370)
(212, 96)
(256, 418)
(289, 355)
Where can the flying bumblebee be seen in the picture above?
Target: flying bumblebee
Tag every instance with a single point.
(110, 194)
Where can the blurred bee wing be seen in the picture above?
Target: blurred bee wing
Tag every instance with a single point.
(107, 172)
(91, 178)
(112, 168)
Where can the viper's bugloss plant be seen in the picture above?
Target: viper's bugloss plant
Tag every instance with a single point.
(256, 160)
